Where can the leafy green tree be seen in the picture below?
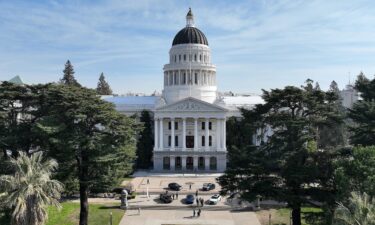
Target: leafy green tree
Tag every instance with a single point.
(356, 172)
(94, 142)
(363, 113)
(287, 166)
(360, 210)
(103, 87)
(68, 78)
(145, 142)
(30, 189)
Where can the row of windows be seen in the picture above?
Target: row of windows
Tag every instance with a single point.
(194, 58)
(186, 78)
(203, 125)
(203, 141)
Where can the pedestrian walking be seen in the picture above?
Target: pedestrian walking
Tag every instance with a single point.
(193, 212)
(196, 193)
(189, 186)
(148, 181)
(197, 201)
(176, 195)
(173, 196)
(199, 212)
(139, 211)
(202, 202)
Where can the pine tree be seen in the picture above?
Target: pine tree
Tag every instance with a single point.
(68, 78)
(145, 142)
(103, 87)
(363, 113)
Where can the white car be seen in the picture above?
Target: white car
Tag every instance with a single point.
(214, 199)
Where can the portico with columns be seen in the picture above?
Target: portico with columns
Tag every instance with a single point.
(189, 123)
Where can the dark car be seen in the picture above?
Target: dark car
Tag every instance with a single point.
(166, 198)
(174, 186)
(189, 199)
(208, 186)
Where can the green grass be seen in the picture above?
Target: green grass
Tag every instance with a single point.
(69, 214)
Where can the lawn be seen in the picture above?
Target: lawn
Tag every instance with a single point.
(281, 216)
(99, 214)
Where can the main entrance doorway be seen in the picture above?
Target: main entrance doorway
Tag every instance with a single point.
(189, 141)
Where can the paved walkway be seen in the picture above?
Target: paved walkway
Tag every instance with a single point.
(152, 212)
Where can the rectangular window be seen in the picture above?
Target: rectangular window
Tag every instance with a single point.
(184, 78)
(184, 57)
(169, 126)
(176, 125)
(195, 58)
(179, 58)
(175, 58)
(200, 58)
(209, 125)
(176, 141)
(203, 141)
(196, 78)
(209, 140)
(203, 125)
(169, 140)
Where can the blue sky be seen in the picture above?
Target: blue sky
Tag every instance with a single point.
(255, 44)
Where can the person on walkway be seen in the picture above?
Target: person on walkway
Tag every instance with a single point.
(202, 202)
(199, 212)
(177, 195)
(173, 196)
(197, 201)
(193, 212)
(139, 211)
(148, 181)
(196, 193)
(189, 186)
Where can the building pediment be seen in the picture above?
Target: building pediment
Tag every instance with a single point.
(191, 105)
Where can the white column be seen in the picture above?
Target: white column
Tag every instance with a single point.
(207, 163)
(156, 137)
(161, 135)
(183, 134)
(225, 134)
(195, 134)
(172, 134)
(218, 134)
(183, 162)
(172, 162)
(207, 134)
(195, 162)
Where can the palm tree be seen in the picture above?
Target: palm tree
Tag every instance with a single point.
(30, 189)
(359, 211)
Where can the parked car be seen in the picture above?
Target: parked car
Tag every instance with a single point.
(214, 199)
(208, 186)
(174, 186)
(189, 199)
(166, 198)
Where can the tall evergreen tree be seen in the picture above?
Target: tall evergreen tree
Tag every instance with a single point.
(288, 163)
(103, 87)
(68, 78)
(333, 133)
(87, 135)
(363, 113)
(145, 142)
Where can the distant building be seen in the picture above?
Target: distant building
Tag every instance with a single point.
(349, 96)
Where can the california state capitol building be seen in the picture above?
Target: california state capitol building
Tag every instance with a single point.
(190, 115)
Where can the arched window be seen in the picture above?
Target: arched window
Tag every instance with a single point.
(166, 163)
(175, 58)
(184, 78)
(200, 57)
(195, 57)
(179, 58)
(196, 78)
(184, 57)
(213, 163)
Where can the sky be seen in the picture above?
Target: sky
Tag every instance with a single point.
(255, 44)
